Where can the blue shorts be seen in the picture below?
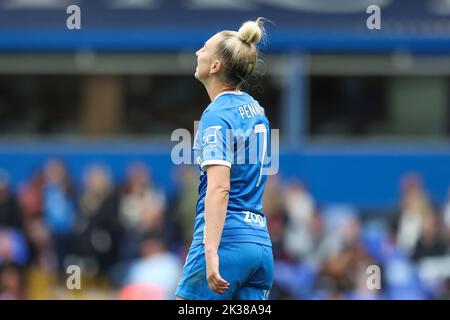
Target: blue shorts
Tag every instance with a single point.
(248, 267)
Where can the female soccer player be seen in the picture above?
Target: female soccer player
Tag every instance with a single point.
(231, 252)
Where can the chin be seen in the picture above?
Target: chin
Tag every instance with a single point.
(197, 76)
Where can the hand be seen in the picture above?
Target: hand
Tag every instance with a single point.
(215, 281)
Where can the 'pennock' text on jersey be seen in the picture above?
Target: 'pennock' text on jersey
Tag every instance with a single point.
(250, 110)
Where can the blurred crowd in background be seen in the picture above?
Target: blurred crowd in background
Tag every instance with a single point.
(357, 108)
(130, 240)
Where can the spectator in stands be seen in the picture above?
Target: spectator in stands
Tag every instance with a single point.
(59, 207)
(431, 241)
(343, 256)
(336, 228)
(156, 265)
(185, 199)
(275, 216)
(300, 209)
(42, 253)
(415, 207)
(42, 276)
(13, 247)
(98, 231)
(12, 286)
(142, 206)
(30, 196)
(10, 213)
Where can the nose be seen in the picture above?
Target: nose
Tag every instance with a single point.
(197, 52)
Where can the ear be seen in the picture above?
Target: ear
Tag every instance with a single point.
(216, 66)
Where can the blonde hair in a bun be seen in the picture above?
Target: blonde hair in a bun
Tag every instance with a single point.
(238, 50)
(251, 32)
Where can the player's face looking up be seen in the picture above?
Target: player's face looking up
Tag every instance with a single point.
(227, 59)
(207, 62)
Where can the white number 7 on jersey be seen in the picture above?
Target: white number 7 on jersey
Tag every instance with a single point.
(261, 128)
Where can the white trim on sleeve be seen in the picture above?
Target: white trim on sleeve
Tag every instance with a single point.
(219, 162)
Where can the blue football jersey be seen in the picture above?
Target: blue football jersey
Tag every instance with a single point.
(234, 131)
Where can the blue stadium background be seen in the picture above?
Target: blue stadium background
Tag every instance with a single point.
(352, 170)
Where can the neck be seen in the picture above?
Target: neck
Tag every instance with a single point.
(214, 88)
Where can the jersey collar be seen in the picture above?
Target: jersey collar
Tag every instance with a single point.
(235, 92)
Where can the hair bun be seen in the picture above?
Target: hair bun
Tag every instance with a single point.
(251, 32)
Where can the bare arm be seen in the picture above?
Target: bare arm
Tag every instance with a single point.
(216, 202)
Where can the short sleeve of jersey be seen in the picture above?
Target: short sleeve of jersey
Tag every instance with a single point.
(216, 139)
